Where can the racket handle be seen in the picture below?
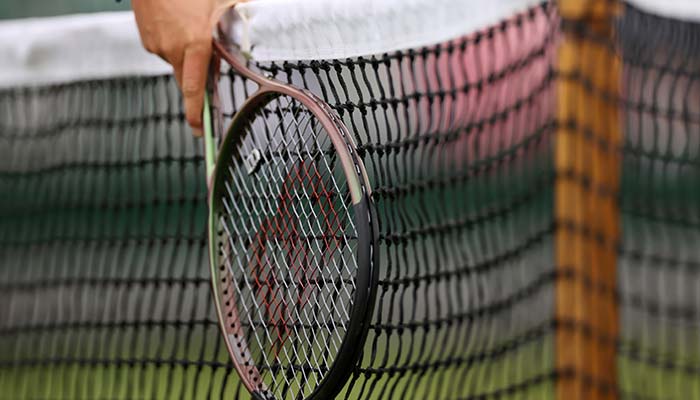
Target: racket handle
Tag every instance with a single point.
(209, 146)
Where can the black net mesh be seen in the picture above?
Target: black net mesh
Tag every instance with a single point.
(455, 139)
(104, 282)
(104, 277)
(659, 258)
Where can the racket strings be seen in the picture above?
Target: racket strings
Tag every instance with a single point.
(290, 247)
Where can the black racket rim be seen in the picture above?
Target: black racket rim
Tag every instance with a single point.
(367, 257)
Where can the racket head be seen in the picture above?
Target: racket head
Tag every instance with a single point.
(292, 238)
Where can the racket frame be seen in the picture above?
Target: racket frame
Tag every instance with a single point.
(365, 220)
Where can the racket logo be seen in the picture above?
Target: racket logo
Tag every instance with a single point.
(280, 297)
(252, 161)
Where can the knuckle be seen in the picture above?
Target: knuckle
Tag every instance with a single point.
(190, 87)
(169, 49)
(200, 41)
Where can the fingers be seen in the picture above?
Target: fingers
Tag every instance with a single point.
(178, 31)
(193, 81)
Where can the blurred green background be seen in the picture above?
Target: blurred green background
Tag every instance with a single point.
(43, 8)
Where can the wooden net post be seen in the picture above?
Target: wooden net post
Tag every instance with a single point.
(587, 163)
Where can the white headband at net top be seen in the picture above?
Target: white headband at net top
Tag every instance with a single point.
(683, 10)
(273, 30)
(93, 46)
(322, 29)
(38, 51)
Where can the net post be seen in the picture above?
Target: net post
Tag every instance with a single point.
(587, 221)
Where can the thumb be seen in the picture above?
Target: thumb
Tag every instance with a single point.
(195, 66)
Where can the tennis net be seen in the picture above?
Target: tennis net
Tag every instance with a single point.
(534, 169)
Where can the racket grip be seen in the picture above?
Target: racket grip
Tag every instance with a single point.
(209, 146)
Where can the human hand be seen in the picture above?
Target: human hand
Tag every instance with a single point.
(179, 31)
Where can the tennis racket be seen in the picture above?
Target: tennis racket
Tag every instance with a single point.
(292, 237)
